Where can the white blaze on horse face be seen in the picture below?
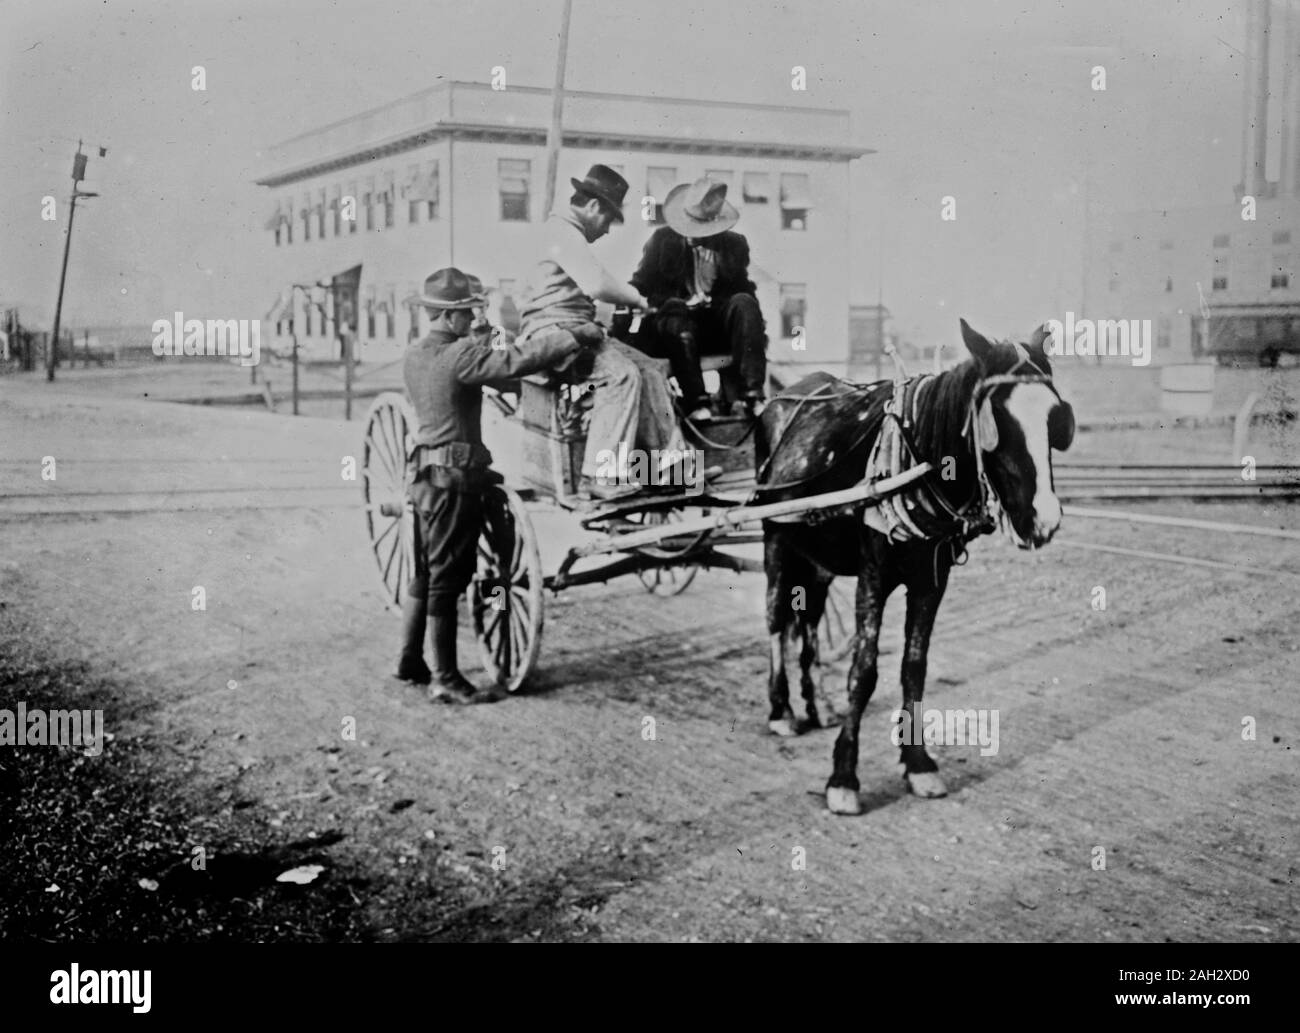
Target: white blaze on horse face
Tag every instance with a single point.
(1028, 405)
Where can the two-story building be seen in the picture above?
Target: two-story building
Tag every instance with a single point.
(455, 175)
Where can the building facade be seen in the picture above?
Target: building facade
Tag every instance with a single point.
(1210, 282)
(1219, 281)
(455, 175)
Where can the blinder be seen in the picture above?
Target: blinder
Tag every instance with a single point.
(988, 426)
(1060, 426)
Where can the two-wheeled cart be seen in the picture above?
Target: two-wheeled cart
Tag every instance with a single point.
(663, 537)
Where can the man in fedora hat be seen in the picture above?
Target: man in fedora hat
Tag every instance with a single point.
(632, 405)
(444, 373)
(695, 271)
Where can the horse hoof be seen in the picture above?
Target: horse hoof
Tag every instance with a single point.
(842, 801)
(784, 727)
(926, 784)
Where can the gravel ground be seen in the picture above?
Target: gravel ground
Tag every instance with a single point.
(549, 816)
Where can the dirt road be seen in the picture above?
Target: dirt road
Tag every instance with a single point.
(552, 816)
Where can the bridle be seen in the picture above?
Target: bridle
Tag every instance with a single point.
(980, 427)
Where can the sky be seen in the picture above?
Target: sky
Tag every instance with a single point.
(987, 101)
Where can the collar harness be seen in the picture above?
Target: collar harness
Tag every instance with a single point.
(922, 512)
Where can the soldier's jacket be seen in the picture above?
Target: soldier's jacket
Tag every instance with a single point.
(445, 376)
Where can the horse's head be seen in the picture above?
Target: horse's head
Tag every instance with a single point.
(1017, 419)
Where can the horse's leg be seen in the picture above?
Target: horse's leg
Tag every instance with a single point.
(781, 562)
(810, 617)
(923, 599)
(842, 787)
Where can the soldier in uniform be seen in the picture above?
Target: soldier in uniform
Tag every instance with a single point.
(445, 373)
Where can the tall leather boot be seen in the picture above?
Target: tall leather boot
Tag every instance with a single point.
(449, 685)
(411, 666)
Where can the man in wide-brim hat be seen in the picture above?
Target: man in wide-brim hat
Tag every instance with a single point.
(695, 270)
(444, 373)
(632, 404)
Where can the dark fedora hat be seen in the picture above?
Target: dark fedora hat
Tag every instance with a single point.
(606, 185)
(450, 289)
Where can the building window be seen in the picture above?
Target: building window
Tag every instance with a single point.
(409, 190)
(1220, 284)
(1280, 280)
(421, 191)
(659, 180)
(1221, 240)
(722, 176)
(794, 201)
(390, 203)
(1169, 284)
(509, 308)
(794, 308)
(413, 312)
(288, 222)
(386, 304)
(1113, 284)
(336, 203)
(1164, 337)
(368, 202)
(320, 213)
(756, 188)
(306, 217)
(514, 176)
(276, 221)
(1281, 236)
(370, 316)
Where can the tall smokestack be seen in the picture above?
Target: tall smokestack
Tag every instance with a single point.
(1290, 167)
(1254, 137)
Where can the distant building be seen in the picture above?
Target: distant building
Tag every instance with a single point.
(1211, 281)
(870, 326)
(455, 175)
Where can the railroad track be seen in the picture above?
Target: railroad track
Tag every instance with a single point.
(1075, 483)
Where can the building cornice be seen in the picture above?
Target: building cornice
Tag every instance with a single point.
(580, 138)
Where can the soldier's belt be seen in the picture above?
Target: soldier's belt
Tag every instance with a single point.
(458, 455)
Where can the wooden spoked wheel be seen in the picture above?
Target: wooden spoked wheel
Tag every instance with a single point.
(838, 630)
(505, 597)
(670, 580)
(390, 521)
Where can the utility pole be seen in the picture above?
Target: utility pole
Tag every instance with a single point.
(554, 134)
(78, 174)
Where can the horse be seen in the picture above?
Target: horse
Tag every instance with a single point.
(987, 426)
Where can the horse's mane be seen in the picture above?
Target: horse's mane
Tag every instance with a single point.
(942, 414)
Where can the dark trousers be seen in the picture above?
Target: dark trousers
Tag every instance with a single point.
(447, 525)
(733, 326)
